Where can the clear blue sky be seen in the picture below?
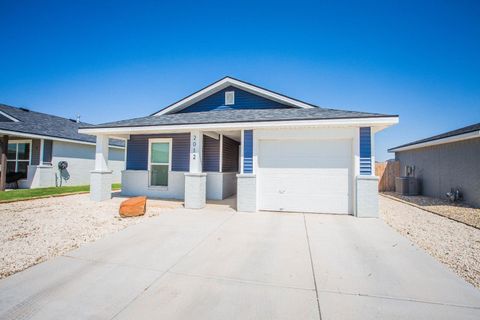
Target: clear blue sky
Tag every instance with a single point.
(114, 60)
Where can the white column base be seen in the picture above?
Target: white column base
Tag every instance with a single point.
(246, 193)
(100, 185)
(367, 196)
(195, 190)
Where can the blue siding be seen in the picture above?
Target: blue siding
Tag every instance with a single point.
(243, 100)
(137, 151)
(211, 154)
(230, 155)
(365, 151)
(248, 151)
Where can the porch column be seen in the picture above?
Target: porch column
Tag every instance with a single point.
(195, 179)
(3, 163)
(101, 176)
(42, 150)
(246, 180)
(366, 184)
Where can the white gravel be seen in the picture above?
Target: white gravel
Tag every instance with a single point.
(37, 230)
(452, 243)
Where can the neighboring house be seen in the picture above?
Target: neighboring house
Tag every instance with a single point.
(445, 161)
(37, 142)
(231, 137)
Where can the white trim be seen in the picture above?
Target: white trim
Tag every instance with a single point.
(371, 122)
(460, 137)
(37, 136)
(159, 140)
(226, 82)
(9, 116)
(232, 93)
(16, 160)
(212, 135)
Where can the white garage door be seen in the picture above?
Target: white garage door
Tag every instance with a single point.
(305, 175)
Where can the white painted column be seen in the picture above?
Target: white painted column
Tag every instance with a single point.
(42, 148)
(366, 186)
(101, 153)
(196, 151)
(195, 179)
(101, 176)
(247, 182)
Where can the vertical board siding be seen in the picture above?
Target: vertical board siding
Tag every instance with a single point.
(211, 154)
(365, 151)
(137, 151)
(248, 151)
(243, 100)
(230, 155)
(47, 151)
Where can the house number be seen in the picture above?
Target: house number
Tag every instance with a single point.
(194, 149)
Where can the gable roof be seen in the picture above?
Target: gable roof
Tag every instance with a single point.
(23, 121)
(471, 131)
(239, 116)
(226, 82)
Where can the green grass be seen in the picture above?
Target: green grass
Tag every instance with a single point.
(45, 192)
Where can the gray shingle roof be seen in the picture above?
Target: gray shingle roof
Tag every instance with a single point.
(467, 129)
(31, 122)
(232, 116)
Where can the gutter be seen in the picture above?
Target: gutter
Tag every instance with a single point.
(455, 138)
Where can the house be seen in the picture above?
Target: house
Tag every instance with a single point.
(445, 161)
(37, 142)
(231, 137)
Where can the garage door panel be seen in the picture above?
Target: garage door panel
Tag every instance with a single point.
(305, 175)
(337, 204)
(302, 183)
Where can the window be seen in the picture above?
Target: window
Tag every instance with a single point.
(18, 157)
(229, 97)
(159, 161)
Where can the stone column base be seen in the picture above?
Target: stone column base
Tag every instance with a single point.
(100, 185)
(246, 193)
(195, 190)
(367, 196)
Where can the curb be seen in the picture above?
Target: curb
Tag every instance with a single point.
(49, 196)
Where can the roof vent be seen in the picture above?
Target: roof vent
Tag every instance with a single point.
(76, 120)
(24, 109)
(229, 98)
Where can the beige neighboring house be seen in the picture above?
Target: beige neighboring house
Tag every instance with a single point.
(37, 143)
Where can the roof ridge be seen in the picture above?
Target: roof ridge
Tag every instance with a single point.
(38, 112)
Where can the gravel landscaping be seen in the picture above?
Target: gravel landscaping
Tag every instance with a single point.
(37, 230)
(455, 244)
(457, 211)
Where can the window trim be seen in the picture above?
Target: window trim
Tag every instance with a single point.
(17, 142)
(232, 92)
(159, 140)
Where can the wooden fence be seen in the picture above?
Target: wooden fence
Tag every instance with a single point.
(387, 172)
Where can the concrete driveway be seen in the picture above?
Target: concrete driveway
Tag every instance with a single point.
(218, 264)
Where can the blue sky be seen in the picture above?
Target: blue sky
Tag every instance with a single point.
(113, 60)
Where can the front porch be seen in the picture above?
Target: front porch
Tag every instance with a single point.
(27, 162)
(193, 166)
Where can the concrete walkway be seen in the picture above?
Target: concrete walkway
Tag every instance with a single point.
(218, 264)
